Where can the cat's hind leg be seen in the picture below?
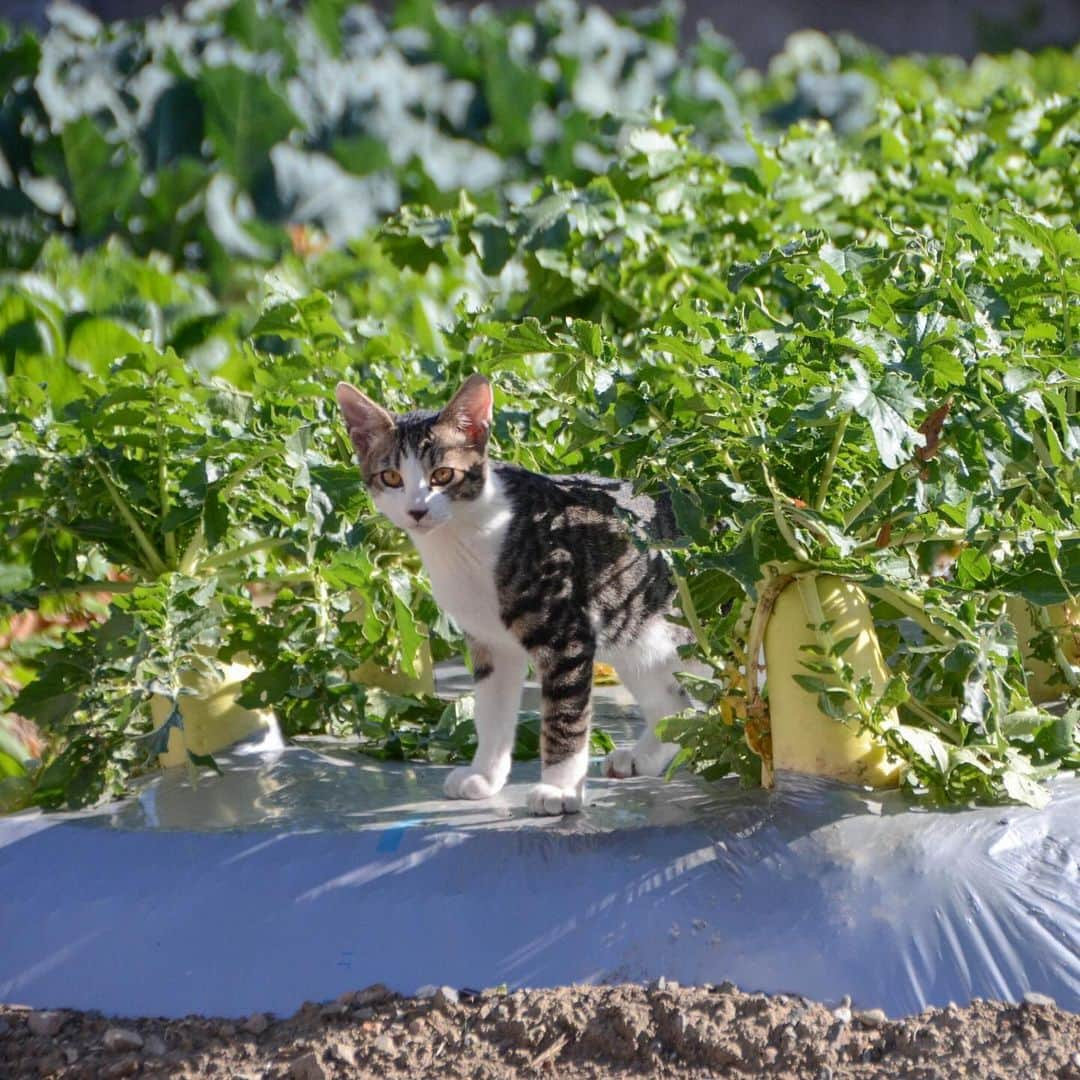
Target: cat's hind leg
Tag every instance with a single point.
(647, 669)
(499, 676)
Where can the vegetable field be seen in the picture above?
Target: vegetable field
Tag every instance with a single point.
(831, 306)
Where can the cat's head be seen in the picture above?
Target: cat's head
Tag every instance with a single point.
(422, 468)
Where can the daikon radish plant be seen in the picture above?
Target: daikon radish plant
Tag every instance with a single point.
(219, 530)
(210, 718)
(819, 641)
(836, 323)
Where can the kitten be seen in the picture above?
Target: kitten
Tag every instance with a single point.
(552, 570)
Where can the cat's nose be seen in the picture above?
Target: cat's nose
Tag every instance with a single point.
(418, 515)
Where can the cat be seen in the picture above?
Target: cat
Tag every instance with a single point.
(552, 570)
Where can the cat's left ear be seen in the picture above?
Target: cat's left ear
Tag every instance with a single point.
(469, 410)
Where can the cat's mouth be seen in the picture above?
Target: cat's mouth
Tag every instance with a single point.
(423, 526)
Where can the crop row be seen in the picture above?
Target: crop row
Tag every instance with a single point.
(831, 308)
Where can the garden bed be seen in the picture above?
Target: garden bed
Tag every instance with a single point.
(302, 873)
(663, 1031)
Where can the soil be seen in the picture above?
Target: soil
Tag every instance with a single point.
(662, 1030)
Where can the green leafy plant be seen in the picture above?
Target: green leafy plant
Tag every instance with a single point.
(849, 401)
(220, 527)
(831, 308)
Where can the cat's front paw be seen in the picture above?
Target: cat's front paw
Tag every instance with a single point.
(466, 782)
(549, 799)
(638, 761)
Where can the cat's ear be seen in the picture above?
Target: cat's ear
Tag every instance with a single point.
(364, 420)
(469, 410)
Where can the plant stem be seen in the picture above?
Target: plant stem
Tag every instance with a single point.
(979, 536)
(913, 608)
(690, 611)
(782, 522)
(163, 484)
(195, 546)
(932, 718)
(153, 559)
(815, 613)
(191, 553)
(1066, 296)
(118, 587)
(322, 621)
(226, 557)
(883, 483)
(830, 462)
(731, 467)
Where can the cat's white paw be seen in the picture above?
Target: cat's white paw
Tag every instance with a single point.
(639, 761)
(620, 763)
(466, 782)
(549, 799)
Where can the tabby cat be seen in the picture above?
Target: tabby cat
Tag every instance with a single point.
(549, 570)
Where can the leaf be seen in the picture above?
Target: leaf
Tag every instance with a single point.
(689, 515)
(157, 741)
(204, 761)
(972, 223)
(1024, 789)
(103, 178)
(972, 567)
(887, 404)
(930, 429)
(927, 745)
(245, 117)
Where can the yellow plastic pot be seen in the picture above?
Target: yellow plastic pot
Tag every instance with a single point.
(212, 719)
(1065, 621)
(397, 682)
(804, 739)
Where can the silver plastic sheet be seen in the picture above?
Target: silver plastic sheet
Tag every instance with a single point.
(303, 872)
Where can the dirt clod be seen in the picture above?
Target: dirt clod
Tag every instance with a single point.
(256, 1023)
(871, 1018)
(573, 1033)
(1033, 999)
(155, 1046)
(126, 1066)
(118, 1039)
(46, 1023)
(374, 995)
(307, 1067)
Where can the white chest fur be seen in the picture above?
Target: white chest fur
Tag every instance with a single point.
(460, 560)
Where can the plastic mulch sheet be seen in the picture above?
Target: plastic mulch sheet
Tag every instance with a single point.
(305, 872)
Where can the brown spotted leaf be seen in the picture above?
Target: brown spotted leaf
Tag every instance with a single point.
(930, 428)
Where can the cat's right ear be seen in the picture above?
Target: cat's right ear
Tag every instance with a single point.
(364, 420)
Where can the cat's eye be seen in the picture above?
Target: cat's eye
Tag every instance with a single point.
(391, 478)
(442, 476)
